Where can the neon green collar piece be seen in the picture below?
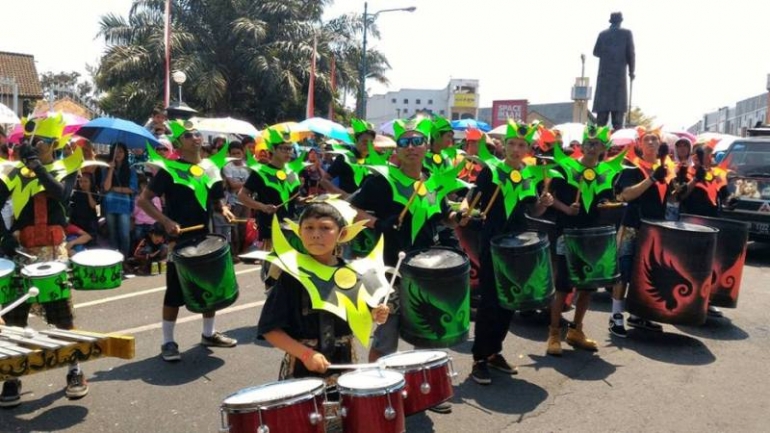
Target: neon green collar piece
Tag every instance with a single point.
(590, 181)
(520, 130)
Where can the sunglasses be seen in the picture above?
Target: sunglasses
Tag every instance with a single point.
(284, 148)
(191, 134)
(405, 142)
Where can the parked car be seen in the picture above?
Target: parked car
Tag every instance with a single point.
(748, 162)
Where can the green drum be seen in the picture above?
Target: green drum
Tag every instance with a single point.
(206, 273)
(592, 257)
(523, 271)
(9, 291)
(50, 278)
(96, 269)
(435, 297)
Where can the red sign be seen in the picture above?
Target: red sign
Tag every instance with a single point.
(515, 109)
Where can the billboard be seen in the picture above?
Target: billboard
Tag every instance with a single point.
(465, 100)
(515, 109)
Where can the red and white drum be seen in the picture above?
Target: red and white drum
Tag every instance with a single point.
(428, 375)
(372, 401)
(290, 406)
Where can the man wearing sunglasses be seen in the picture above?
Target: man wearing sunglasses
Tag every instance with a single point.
(183, 209)
(351, 169)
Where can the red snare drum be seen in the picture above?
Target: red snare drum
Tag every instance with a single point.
(372, 401)
(428, 375)
(290, 406)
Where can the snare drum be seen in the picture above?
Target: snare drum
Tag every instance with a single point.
(428, 375)
(50, 278)
(9, 292)
(372, 401)
(97, 269)
(290, 406)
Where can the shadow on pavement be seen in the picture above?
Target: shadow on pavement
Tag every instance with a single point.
(54, 419)
(247, 335)
(506, 395)
(758, 254)
(575, 364)
(716, 329)
(420, 422)
(671, 348)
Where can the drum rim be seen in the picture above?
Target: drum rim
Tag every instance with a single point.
(175, 253)
(4, 272)
(275, 403)
(370, 392)
(670, 225)
(413, 253)
(25, 270)
(118, 255)
(540, 235)
(428, 364)
(729, 223)
(594, 230)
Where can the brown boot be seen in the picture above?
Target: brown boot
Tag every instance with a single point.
(554, 341)
(576, 338)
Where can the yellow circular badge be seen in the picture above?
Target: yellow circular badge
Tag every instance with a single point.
(515, 176)
(27, 172)
(360, 161)
(437, 158)
(280, 174)
(344, 278)
(589, 174)
(709, 177)
(196, 171)
(421, 190)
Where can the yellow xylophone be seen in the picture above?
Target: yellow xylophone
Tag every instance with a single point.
(24, 352)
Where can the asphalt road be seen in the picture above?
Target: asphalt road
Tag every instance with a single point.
(709, 378)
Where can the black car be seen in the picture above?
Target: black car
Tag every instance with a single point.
(748, 162)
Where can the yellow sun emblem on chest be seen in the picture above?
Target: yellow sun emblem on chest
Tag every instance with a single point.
(515, 176)
(360, 161)
(709, 177)
(589, 174)
(27, 172)
(420, 188)
(196, 170)
(437, 158)
(280, 174)
(345, 279)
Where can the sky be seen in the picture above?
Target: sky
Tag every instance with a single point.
(691, 57)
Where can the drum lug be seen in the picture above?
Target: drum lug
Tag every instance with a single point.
(404, 394)
(343, 411)
(452, 373)
(425, 388)
(315, 418)
(225, 428)
(263, 429)
(390, 413)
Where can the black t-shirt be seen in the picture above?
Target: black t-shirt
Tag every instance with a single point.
(699, 203)
(340, 169)
(649, 205)
(566, 193)
(496, 221)
(269, 195)
(181, 204)
(376, 197)
(81, 212)
(57, 209)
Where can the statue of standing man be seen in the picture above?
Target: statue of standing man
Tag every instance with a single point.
(615, 50)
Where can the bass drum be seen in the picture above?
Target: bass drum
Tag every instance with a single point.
(206, 273)
(523, 270)
(592, 257)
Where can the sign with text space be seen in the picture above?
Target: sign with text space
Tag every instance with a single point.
(515, 109)
(466, 100)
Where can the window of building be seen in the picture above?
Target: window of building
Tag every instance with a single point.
(393, 101)
(406, 101)
(417, 101)
(441, 112)
(430, 102)
(405, 110)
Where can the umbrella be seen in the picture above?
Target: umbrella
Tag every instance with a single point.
(296, 131)
(684, 134)
(107, 130)
(499, 131)
(224, 125)
(384, 142)
(72, 121)
(387, 128)
(463, 124)
(7, 116)
(624, 137)
(570, 131)
(326, 127)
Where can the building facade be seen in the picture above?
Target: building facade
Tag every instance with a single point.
(737, 119)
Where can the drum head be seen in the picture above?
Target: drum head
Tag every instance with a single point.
(209, 244)
(518, 240)
(438, 258)
(44, 269)
(6, 267)
(97, 257)
(272, 393)
(370, 380)
(679, 225)
(413, 358)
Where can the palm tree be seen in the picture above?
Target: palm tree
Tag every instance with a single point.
(241, 57)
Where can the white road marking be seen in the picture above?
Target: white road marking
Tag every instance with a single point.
(191, 318)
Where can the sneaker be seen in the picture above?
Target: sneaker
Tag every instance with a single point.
(170, 352)
(218, 339)
(77, 386)
(616, 326)
(638, 322)
(480, 373)
(11, 396)
(714, 312)
(442, 408)
(498, 362)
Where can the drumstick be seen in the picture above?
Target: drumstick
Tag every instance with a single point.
(491, 202)
(546, 180)
(289, 200)
(473, 204)
(191, 228)
(353, 366)
(33, 291)
(401, 216)
(239, 220)
(401, 256)
(28, 256)
(577, 196)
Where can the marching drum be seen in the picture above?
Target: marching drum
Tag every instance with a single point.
(732, 241)
(8, 290)
(469, 237)
(523, 270)
(289, 406)
(50, 278)
(97, 269)
(428, 375)
(592, 257)
(206, 273)
(435, 297)
(372, 401)
(671, 275)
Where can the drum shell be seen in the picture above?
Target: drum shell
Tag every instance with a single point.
(363, 410)
(435, 303)
(53, 287)
(208, 281)
(469, 237)
(671, 275)
(436, 372)
(89, 277)
(729, 258)
(592, 257)
(9, 287)
(517, 265)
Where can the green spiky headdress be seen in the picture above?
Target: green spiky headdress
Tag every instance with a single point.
(423, 125)
(51, 128)
(276, 137)
(440, 126)
(601, 133)
(361, 127)
(178, 128)
(521, 131)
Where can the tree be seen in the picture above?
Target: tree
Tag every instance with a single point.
(59, 84)
(249, 59)
(637, 118)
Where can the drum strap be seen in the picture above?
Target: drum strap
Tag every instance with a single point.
(41, 234)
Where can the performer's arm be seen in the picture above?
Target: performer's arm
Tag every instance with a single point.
(145, 203)
(244, 195)
(633, 192)
(313, 361)
(54, 188)
(543, 203)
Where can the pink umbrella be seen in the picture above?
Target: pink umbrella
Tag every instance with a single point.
(624, 137)
(73, 122)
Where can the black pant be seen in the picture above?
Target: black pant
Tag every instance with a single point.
(492, 321)
(603, 117)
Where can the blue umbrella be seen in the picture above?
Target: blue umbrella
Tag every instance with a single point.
(326, 127)
(463, 124)
(106, 130)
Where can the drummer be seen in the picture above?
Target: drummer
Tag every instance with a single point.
(646, 189)
(442, 156)
(343, 169)
(493, 321)
(40, 221)
(183, 209)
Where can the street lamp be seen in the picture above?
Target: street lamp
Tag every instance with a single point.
(362, 107)
(179, 78)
